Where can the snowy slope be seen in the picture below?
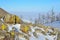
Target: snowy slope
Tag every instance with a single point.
(41, 36)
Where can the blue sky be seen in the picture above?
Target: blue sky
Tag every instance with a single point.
(30, 5)
(34, 6)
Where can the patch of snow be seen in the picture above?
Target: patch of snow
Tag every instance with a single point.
(32, 28)
(24, 20)
(33, 38)
(16, 26)
(2, 19)
(10, 28)
(50, 37)
(43, 37)
(50, 30)
(39, 28)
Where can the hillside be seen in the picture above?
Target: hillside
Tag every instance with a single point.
(14, 28)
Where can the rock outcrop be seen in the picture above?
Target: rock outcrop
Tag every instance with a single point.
(9, 18)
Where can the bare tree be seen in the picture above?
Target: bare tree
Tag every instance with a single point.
(52, 16)
(58, 17)
(48, 18)
(39, 19)
(36, 21)
(43, 18)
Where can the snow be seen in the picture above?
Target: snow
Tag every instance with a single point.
(50, 30)
(32, 28)
(33, 38)
(39, 28)
(55, 24)
(16, 26)
(24, 20)
(19, 38)
(9, 27)
(41, 36)
(2, 19)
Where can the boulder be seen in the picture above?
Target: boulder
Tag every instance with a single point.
(17, 20)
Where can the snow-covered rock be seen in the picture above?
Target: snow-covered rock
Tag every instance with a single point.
(16, 26)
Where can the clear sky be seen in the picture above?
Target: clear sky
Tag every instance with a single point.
(30, 5)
